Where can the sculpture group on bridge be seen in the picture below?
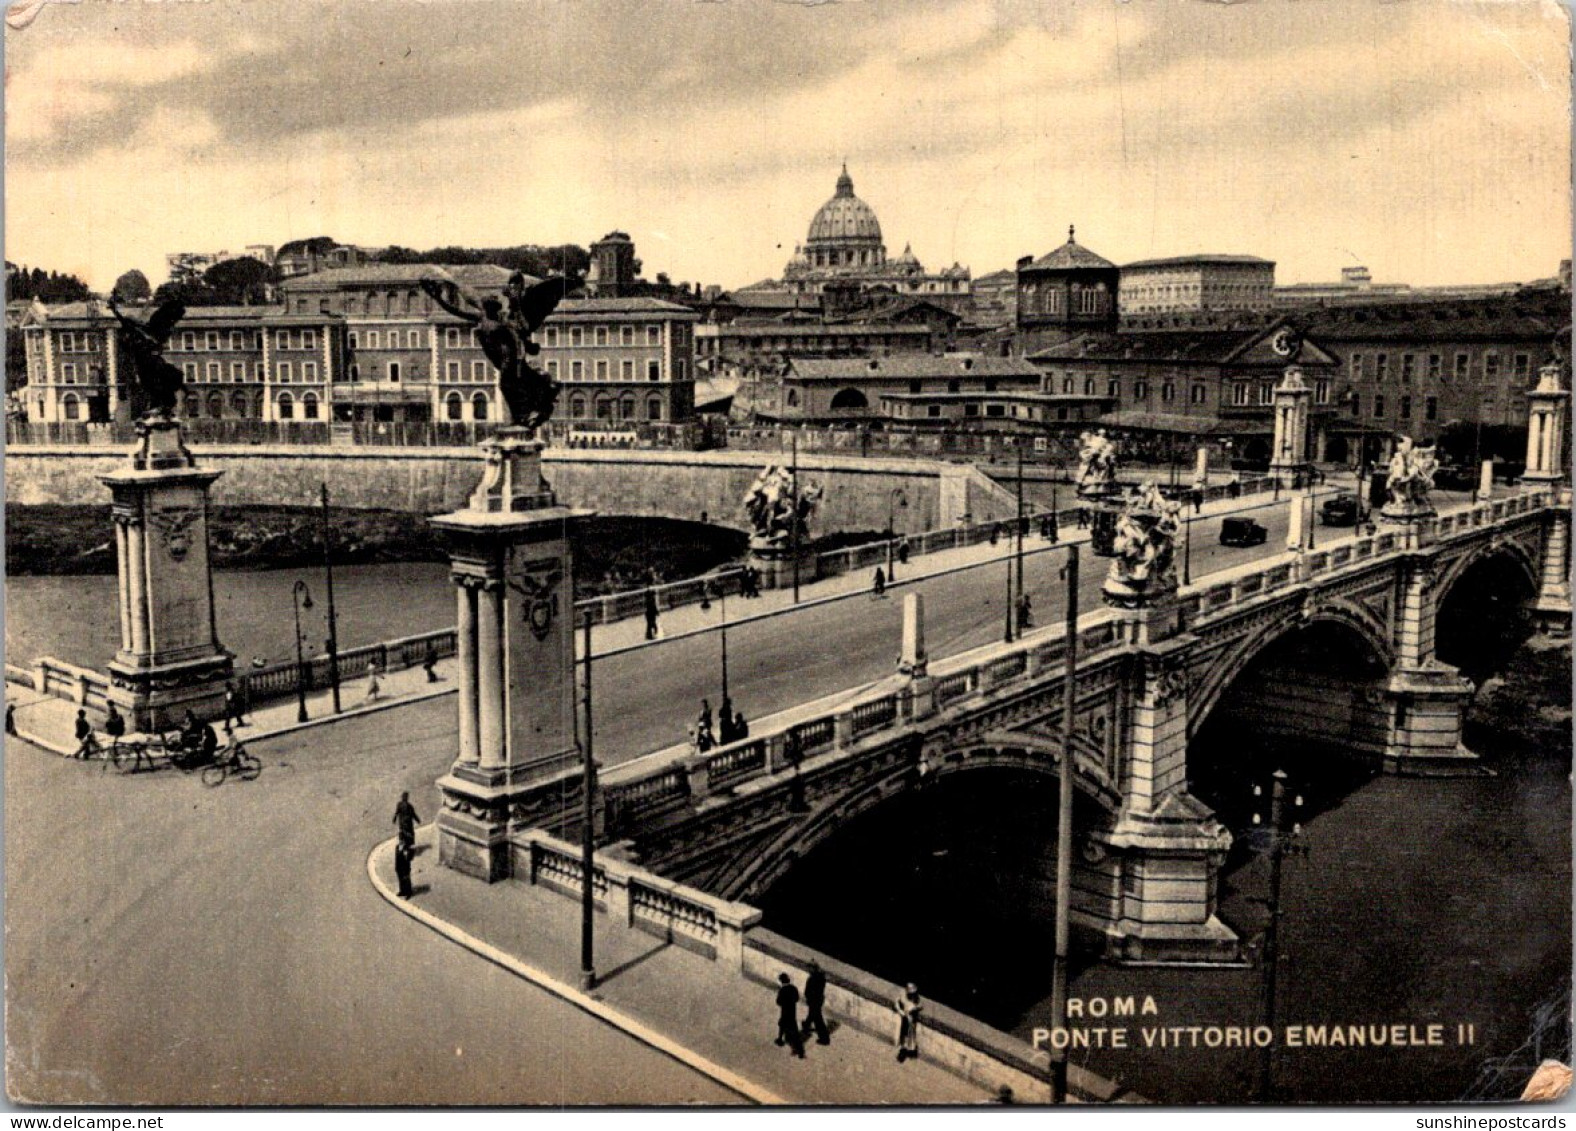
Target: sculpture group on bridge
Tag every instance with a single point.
(1412, 469)
(778, 513)
(158, 382)
(505, 338)
(1096, 464)
(1144, 565)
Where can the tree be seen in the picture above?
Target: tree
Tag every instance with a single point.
(48, 287)
(239, 282)
(132, 287)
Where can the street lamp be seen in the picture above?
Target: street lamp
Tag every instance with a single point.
(1279, 842)
(300, 598)
(333, 621)
(893, 496)
(721, 589)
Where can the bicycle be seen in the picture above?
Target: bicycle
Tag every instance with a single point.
(131, 757)
(232, 759)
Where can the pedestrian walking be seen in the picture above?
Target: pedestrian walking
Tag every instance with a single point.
(741, 729)
(10, 718)
(725, 721)
(402, 855)
(788, 1016)
(405, 819)
(374, 686)
(86, 746)
(995, 533)
(908, 1010)
(1025, 612)
(704, 721)
(429, 662)
(1198, 499)
(232, 705)
(653, 629)
(115, 727)
(750, 582)
(878, 586)
(1083, 518)
(814, 999)
(902, 551)
(705, 739)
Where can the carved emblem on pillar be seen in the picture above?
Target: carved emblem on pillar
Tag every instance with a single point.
(174, 525)
(538, 584)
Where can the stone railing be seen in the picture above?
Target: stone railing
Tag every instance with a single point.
(634, 897)
(963, 1046)
(82, 686)
(647, 792)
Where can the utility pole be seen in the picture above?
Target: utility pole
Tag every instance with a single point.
(794, 532)
(333, 620)
(1064, 832)
(1019, 528)
(587, 834)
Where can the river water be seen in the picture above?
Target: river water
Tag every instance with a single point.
(74, 617)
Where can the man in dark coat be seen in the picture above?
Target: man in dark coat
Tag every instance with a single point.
(814, 999)
(86, 747)
(232, 706)
(405, 818)
(115, 727)
(402, 869)
(788, 1016)
(651, 614)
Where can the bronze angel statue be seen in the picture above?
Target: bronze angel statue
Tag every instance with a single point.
(505, 337)
(158, 381)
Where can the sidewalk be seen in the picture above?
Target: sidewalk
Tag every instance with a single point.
(678, 1002)
(49, 722)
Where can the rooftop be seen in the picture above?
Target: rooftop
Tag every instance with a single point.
(915, 365)
(1069, 256)
(632, 305)
(370, 273)
(1201, 260)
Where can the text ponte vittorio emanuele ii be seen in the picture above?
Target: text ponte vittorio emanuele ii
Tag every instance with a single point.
(1100, 1022)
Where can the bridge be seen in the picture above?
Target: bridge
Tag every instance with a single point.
(1335, 645)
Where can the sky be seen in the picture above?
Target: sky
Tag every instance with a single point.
(1426, 139)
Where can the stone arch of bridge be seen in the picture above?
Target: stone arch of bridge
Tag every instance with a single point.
(1307, 696)
(1513, 552)
(1226, 671)
(834, 809)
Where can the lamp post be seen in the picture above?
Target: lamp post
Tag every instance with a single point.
(587, 835)
(333, 621)
(300, 598)
(1278, 840)
(722, 601)
(893, 496)
(1187, 549)
(1064, 832)
(794, 530)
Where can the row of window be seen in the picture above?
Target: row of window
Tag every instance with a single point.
(245, 340)
(1461, 370)
(1404, 407)
(412, 339)
(1048, 299)
(73, 342)
(603, 371)
(605, 407)
(602, 335)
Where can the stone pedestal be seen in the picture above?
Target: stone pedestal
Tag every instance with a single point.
(776, 564)
(170, 660)
(1103, 507)
(1407, 512)
(1548, 406)
(1551, 610)
(1427, 705)
(513, 570)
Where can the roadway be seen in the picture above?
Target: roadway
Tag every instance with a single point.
(170, 944)
(646, 698)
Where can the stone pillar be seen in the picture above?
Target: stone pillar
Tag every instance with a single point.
(1551, 611)
(1201, 466)
(1547, 409)
(1426, 699)
(1486, 480)
(170, 660)
(1299, 515)
(518, 759)
(1290, 451)
(465, 649)
(1168, 844)
(913, 661)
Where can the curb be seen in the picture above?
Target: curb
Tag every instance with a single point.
(578, 998)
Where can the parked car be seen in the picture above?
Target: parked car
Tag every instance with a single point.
(1242, 532)
(1455, 477)
(1342, 510)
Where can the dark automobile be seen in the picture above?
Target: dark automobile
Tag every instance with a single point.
(1455, 477)
(1242, 532)
(1342, 510)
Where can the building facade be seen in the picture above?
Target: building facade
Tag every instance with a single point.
(1229, 283)
(1067, 291)
(906, 387)
(366, 344)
